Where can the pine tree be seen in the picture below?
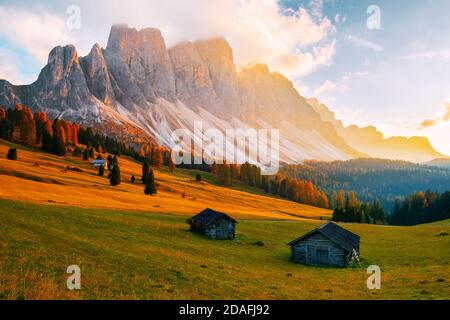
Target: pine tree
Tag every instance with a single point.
(75, 128)
(86, 154)
(145, 171)
(283, 188)
(273, 186)
(323, 200)
(109, 162)
(59, 142)
(47, 141)
(214, 169)
(334, 200)
(377, 211)
(157, 159)
(4, 124)
(101, 170)
(40, 119)
(150, 186)
(114, 178)
(141, 152)
(68, 131)
(265, 184)
(235, 171)
(77, 151)
(12, 154)
(337, 215)
(353, 200)
(225, 174)
(365, 217)
(341, 199)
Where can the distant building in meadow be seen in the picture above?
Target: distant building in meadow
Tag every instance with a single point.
(216, 225)
(328, 245)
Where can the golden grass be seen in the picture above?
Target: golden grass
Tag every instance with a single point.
(135, 255)
(132, 246)
(41, 178)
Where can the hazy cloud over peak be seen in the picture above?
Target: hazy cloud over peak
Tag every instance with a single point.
(444, 116)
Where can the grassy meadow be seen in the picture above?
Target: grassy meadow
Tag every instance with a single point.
(132, 246)
(41, 178)
(139, 255)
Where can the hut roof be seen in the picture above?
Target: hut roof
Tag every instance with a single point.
(209, 216)
(335, 233)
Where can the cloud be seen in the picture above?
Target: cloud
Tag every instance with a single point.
(36, 32)
(9, 67)
(325, 87)
(303, 63)
(294, 42)
(363, 43)
(288, 41)
(316, 7)
(443, 116)
(341, 86)
(433, 54)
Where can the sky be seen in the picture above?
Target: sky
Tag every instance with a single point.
(379, 62)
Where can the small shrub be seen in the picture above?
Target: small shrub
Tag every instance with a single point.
(259, 244)
(12, 154)
(114, 178)
(101, 171)
(77, 152)
(443, 234)
(75, 169)
(198, 177)
(86, 154)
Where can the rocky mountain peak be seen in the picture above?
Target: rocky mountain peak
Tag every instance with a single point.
(216, 49)
(123, 38)
(61, 62)
(141, 57)
(97, 75)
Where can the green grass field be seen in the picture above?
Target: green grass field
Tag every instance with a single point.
(143, 255)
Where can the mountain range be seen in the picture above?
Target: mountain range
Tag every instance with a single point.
(139, 90)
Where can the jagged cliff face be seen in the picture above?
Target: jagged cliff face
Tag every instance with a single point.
(138, 89)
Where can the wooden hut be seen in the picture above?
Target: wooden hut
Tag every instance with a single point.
(216, 225)
(328, 245)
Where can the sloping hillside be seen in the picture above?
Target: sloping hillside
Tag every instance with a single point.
(41, 177)
(138, 255)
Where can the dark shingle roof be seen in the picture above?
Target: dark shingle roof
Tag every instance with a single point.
(209, 216)
(335, 233)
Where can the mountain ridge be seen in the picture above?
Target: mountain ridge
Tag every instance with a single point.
(140, 90)
(373, 142)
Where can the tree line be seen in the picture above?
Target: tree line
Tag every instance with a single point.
(421, 207)
(347, 208)
(371, 179)
(296, 190)
(20, 125)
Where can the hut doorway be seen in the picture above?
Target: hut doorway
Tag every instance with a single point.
(322, 256)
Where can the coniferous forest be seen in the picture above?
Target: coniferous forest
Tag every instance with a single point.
(372, 179)
(421, 207)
